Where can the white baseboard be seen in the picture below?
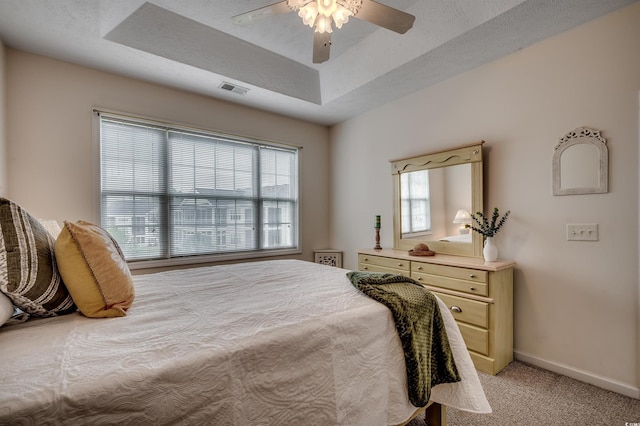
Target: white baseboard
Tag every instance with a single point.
(583, 376)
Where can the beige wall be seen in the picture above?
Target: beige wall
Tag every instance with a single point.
(576, 303)
(3, 119)
(50, 148)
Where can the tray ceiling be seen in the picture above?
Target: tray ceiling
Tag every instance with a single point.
(193, 45)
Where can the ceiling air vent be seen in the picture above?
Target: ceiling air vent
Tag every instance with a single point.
(233, 88)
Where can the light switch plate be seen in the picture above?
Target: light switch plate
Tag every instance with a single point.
(582, 232)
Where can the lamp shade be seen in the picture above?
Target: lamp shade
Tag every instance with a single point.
(462, 217)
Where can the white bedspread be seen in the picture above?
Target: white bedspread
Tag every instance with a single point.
(279, 342)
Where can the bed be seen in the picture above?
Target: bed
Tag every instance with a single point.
(270, 342)
(461, 238)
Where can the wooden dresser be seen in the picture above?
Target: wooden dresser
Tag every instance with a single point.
(478, 294)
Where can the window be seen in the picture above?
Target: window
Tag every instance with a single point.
(416, 210)
(170, 192)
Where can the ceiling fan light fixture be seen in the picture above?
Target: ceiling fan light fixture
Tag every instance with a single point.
(309, 14)
(323, 24)
(322, 14)
(341, 16)
(327, 7)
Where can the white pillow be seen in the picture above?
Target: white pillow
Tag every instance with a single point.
(52, 226)
(6, 309)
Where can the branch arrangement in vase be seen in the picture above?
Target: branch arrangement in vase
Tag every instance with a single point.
(488, 227)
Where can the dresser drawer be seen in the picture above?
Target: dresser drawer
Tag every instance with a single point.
(476, 338)
(477, 288)
(467, 274)
(385, 262)
(367, 267)
(466, 310)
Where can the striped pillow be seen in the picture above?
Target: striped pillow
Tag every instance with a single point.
(28, 272)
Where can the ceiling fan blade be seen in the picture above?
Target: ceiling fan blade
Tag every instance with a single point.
(385, 16)
(321, 47)
(263, 12)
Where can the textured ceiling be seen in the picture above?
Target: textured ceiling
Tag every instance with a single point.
(193, 45)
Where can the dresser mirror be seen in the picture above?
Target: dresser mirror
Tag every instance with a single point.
(434, 194)
(581, 163)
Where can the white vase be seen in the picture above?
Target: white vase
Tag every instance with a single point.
(490, 251)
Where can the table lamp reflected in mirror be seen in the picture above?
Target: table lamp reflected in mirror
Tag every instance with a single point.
(463, 218)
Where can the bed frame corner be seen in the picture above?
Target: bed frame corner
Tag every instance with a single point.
(436, 415)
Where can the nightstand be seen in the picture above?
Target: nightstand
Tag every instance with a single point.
(329, 257)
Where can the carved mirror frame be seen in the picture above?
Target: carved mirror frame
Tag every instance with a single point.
(582, 135)
(468, 154)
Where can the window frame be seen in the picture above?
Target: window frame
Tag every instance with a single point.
(411, 200)
(203, 258)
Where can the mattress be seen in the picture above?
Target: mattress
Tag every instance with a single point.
(272, 342)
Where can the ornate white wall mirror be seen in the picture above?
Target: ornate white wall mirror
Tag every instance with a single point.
(433, 197)
(581, 163)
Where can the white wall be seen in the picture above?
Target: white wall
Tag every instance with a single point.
(49, 139)
(576, 303)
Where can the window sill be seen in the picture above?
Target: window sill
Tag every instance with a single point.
(207, 259)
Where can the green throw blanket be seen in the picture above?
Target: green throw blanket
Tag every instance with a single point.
(415, 310)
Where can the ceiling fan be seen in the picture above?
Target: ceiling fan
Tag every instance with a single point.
(323, 14)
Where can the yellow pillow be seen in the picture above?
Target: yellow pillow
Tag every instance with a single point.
(94, 270)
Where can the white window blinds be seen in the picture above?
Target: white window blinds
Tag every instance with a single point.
(416, 209)
(169, 192)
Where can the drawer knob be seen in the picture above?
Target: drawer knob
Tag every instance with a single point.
(365, 268)
(472, 276)
(400, 264)
(472, 288)
(366, 259)
(419, 278)
(456, 309)
(419, 268)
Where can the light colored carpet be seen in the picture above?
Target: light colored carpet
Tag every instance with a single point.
(525, 395)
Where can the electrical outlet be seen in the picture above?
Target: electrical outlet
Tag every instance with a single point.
(582, 232)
